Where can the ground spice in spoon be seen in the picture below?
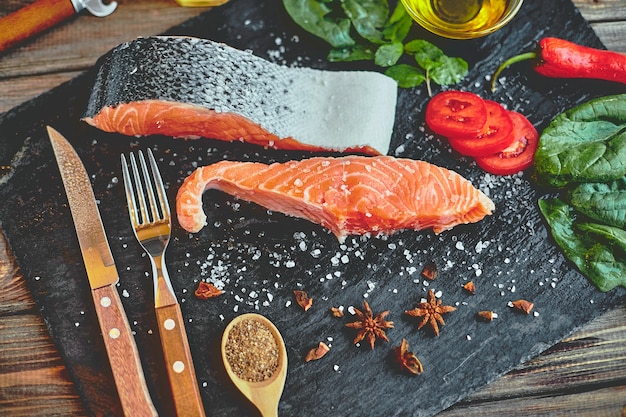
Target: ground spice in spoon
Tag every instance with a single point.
(251, 350)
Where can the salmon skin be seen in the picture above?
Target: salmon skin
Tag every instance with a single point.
(348, 195)
(190, 88)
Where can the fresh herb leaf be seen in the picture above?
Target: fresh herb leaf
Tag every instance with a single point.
(406, 75)
(598, 261)
(376, 36)
(584, 144)
(313, 17)
(614, 236)
(427, 55)
(399, 24)
(603, 202)
(388, 54)
(368, 17)
(440, 68)
(354, 53)
(451, 71)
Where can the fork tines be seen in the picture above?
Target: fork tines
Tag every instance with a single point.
(136, 193)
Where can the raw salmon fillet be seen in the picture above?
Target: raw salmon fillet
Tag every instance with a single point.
(348, 195)
(190, 88)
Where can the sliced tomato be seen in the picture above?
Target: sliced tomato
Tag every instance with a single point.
(456, 113)
(494, 137)
(519, 155)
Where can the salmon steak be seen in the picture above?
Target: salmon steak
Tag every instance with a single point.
(190, 88)
(349, 195)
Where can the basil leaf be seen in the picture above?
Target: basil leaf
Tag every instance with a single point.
(584, 144)
(311, 15)
(355, 53)
(368, 17)
(451, 71)
(399, 24)
(603, 202)
(427, 55)
(388, 54)
(407, 76)
(603, 266)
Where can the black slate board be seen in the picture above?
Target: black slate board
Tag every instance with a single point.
(261, 257)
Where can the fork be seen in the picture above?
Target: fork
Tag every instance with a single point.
(150, 217)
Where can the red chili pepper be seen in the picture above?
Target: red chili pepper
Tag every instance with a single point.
(559, 58)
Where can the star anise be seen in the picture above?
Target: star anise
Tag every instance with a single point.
(370, 327)
(407, 359)
(431, 311)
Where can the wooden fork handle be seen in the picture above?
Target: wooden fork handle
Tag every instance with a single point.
(179, 363)
(33, 19)
(123, 354)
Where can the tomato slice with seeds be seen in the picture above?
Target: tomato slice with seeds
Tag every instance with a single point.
(456, 113)
(518, 156)
(494, 137)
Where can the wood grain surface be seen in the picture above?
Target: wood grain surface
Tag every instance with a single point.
(583, 375)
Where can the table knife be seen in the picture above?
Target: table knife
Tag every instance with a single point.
(41, 15)
(102, 274)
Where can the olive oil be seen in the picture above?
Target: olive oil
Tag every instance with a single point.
(458, 16)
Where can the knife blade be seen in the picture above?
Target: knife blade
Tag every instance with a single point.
(102, 274)
(41, 15)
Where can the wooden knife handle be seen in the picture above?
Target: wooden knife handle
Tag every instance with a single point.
(33, 19)
(123, 354)
(179, 363)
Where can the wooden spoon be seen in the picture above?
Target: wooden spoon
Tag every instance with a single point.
(265, 394)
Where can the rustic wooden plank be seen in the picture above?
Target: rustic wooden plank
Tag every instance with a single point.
(14, 295)
(63, 52)
(16, 91)
(600, 402)
(599, 346)
(33, 379)
(602, 10)
(612, 34)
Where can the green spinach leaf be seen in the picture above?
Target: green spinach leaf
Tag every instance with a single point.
(353, 53)
(597, 260)
(399, 24)
(613, 236)
(603, 202)
(584, 144)
(313, 16)
(368, 17)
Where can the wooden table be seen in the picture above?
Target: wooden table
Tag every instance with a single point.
(583, 375)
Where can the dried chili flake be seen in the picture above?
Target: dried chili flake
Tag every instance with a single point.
(317, 352)
(523, 305)
(207, 290)
(470, 287)
(303, 299)
(408, 361)
(337, 311)
(487, 315)
(430, 271)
